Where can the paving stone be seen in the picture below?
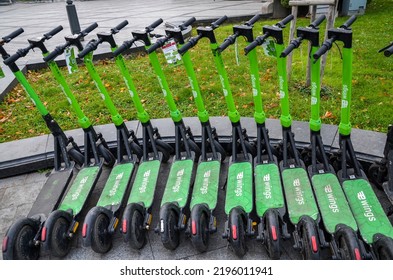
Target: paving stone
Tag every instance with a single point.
(21, 194)
(7, 218)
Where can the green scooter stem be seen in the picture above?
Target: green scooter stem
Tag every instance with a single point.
(315, 120)
(285, 118)
(83, 120)
(345, 124)
(142, 115)
(174, 112)
(116, 118)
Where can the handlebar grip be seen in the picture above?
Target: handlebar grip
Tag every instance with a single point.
(121, 25)
(89, 29)
(187, 23)
(251, 46)
(91, 46)
(14, 34)
(389, 51)
(152, 26)
(288, 50)
(284, 21)
(53, 32)
(186, 47)
(349, 22)
(253, 20)
(227, 42)
(318, 21)
(55, 53)
(157, 45)
(218, 22)
(323, 49)
(125, 46)
(13, 58)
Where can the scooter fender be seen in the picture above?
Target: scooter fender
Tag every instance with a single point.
(234, 220)
(196, 213)
(46, 237)
(89, 221)
(12, 232)
(126, 219)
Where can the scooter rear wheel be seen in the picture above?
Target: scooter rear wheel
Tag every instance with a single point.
(170, 237)
(272, 234)
(137, 231)
(384, 248)
(101, 241)
(348, 244)
(310, 243)
(237, 235)
(200, 239)
(24, 249)
(60, 241)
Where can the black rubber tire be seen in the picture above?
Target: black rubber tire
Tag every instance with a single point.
(101, 239)
(170, 238)
(384, 248)
(348, 243)
(60, 242)
(307, 231)
(136, 149)
(76, 156)
(239, 244)
(109, 158)
(272, 246)
(220, 150)
(165, 149)
(24, 249)
(137, 231)
(372, 174)
(200, 240)
(195, 148)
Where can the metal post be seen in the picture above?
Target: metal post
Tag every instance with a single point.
(72, 17)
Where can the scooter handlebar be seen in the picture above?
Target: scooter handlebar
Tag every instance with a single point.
(89, 29)
(91, 46)
(389, 51)
(152, 26)
(53, 32)
(184, 25)
(349, 22)
(322, 50)
(119, 27)
(218, 22)
(125, 46)
(286, 20)
(55, 53)
(253, 20)
(293, 45)
(227, 42)
(318, 21)
(14, 34)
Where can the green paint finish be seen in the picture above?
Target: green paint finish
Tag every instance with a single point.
(116, 185)
(299, 195)
(80, 189)
(315, 120)
(145, 183)
(206, 184)
(268, 188)
(31, 93)
(239, 187)
(368, 212)
(345, 123)
(178, 184)
(332, 202)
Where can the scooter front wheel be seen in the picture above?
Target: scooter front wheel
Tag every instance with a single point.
(165, 149)
(60, 240)
(310, 247)
(137, 231)
(170, 236)
(136, 149)
(272, 234)
(109, 159)
(383, 248)
(101, 240)
(220, 149)
(237, 234)
(195, 148)
(76, 156)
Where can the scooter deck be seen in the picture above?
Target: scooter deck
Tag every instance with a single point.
(52, 192)
(116, 185)
(332, 202)
(268, 188)
(80, 189)
(178, 185)
(239, 187)
(299, 195)
(206, 184)
(369, 214)
(145, 183)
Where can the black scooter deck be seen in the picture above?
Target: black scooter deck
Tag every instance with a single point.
(52, 192)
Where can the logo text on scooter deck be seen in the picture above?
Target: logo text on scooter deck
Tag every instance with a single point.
(80, 189)
(178, 184)
(239, 187)
(145, 183)
(268, 188)
(299, 195)
(116, 185)
(332, 202)
(369, 214)
(206, 184)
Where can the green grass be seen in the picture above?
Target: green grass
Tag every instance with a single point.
(372, 105)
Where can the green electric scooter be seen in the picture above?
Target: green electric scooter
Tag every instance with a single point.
(22, 240)
(173, 215)
(374, 226)
(202, 222)
(336, 214)
(239, 192)
(302, 207)
(269, 197)
(62, 224)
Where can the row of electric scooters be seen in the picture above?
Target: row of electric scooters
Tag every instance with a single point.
(325, 208)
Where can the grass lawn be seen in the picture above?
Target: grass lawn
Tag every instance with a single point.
(372, 106)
